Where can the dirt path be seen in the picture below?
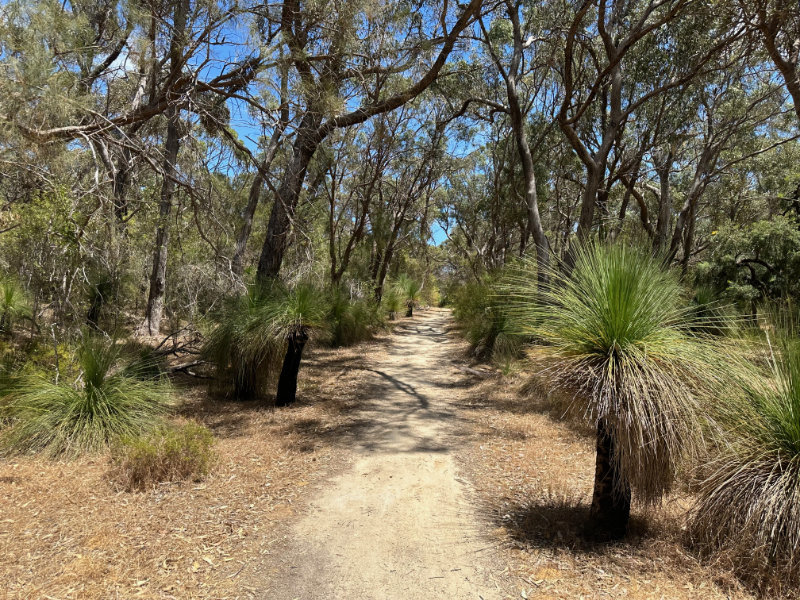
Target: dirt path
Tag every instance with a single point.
(398, 523)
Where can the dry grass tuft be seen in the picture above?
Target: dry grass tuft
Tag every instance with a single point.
(169, 454)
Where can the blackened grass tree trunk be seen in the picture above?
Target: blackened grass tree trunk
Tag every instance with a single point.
(287, 382)
(611, 499)
(155, 299)
(315, 125)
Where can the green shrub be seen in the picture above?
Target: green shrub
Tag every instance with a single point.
(167, 454)
(104, 404)
(351, 321)
(484, 323)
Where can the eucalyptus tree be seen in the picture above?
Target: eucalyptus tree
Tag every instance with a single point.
(777, 25)
(339, 57)
(617, 57)
(525, 81)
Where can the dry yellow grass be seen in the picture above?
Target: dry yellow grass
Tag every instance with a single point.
(66, 532)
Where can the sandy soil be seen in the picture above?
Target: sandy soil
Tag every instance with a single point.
(398, 523)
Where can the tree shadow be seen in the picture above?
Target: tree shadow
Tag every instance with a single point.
(561, 522)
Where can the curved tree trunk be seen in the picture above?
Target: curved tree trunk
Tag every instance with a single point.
(611, 500)
(282, 215)
(158, 276)
(287, 383)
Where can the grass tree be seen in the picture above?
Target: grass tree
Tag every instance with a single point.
(749, 490)
(294, 316)
(392, 302)
(255, 330)
(107, 401)
(410, 292)
(14, 304)
(616, 335)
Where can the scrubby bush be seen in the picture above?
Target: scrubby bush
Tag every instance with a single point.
(105, 403)
(484, 322)
(167, 454)
(351, 321)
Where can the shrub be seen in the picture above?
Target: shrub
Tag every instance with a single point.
(103, 405)
(484, 323)
(748, 508)
(351, 321)
(169, 453)
(617, 337)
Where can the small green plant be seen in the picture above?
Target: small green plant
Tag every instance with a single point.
(167, 454)
(748, 509)
(102, 405)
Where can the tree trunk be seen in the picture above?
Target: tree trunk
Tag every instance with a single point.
(409, 309)
(158, 275)
(664, 203)
(611, 500)
(155, 300)
(287, 383)
(280, 219)
(237, 262)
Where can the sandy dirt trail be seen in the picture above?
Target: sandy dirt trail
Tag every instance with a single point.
(398, 523)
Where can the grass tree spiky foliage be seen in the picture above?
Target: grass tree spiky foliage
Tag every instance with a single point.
(617, 336)
(254, 331)
(748, 508)
(410, 292)
(243, 344)
(392, 302)
(104, 404)
(351, 320)
(14, 304)
(485, 324)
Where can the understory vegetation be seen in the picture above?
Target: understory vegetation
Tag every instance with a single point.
(606, 194)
